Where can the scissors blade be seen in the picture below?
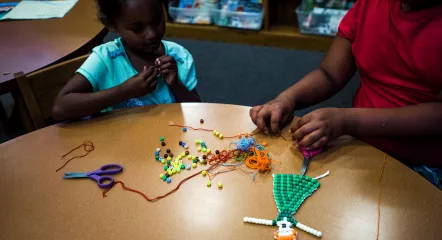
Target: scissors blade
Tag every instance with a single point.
(70, 175)
(305, 165)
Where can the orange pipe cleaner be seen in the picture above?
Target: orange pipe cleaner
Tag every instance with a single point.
(259, 161)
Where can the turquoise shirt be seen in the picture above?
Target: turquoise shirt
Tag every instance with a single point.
(109, 66)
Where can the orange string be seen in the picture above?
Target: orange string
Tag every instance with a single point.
(259, 161)
(379, 195)
(213, 160)
(88, 146)
(211, 130)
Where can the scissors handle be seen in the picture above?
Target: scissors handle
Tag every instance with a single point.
(109, 169)
(102, 179)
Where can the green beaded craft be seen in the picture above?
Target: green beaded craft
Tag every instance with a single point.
(290, 191)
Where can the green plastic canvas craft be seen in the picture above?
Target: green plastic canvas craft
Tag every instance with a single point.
(290, 191)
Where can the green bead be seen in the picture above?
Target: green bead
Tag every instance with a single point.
(194, 161)
(164, 178)
(161, 139)
(182, 166)
(165, 167)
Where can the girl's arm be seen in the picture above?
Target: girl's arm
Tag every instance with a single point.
(420, 119)
(77, 99)
(330, 77)
(182, 94)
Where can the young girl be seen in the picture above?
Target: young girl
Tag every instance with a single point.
(397, 47)
(137, 69)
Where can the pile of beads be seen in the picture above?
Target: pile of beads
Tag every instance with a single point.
(203, 147)
(218, 134)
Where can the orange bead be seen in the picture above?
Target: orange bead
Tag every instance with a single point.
(239, 135)
(246, 134)
(264, 144)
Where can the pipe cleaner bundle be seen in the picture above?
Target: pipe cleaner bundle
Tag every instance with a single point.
(290, 191)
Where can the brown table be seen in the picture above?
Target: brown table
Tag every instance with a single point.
(36, 203)
(33, 44)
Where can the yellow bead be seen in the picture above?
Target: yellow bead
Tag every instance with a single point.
(173, 170)
(214, 132)
(220, 185)
(193, 157)
(189, 157)
(197, 141)
(169, 158)
(209, 183)
(199, 149)
(221, 136)
(180, 157)
(204, 173)
(178, 170)
(204, 150)
(169, 172)
(183, 154)
(163, 161)
(208, 151)
(194, 165)
(161, 175)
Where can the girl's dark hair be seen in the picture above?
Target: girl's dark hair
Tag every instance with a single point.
(108, 10)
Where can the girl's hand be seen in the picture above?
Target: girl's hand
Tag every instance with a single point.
(142, 84)
(319, 127)
(166, 66)
(274, 115)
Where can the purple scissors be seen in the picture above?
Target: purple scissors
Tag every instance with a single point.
(100, 175)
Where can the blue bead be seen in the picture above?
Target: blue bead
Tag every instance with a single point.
(184, 129)
(168, 180)
(157, 153)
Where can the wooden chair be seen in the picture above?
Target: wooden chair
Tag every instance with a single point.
(40, 89)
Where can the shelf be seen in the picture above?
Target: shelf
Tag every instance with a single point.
(278, 36)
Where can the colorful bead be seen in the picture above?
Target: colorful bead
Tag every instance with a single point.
(193, 157)
(208, 151)
(171, 155)
(217, 151)
(220, 185)
(163, 144)
(197, 141)
(201, 160)
(161, 139)
(169, 158)
(187, 153)
(209, 183)
(204, 150)
(184, 129)
(164, 178)
(163, 161)
(204, 157)
(215, 132)
(178, 170)
(158, 150)
(188, 167)
(182, 166)
(161, 175)
(168, 180)
(194, 165)
(189, 157)
(168, 150)
(157, 153)
(201, 120)
(199, 149)
(204, 173)
(165, 168)
(157, 158)
(264, 144)
(194, 161)
(221, 136)
(183, 154)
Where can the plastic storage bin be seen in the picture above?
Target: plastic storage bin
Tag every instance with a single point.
(190, 15)
(320, 21)
(243, 20)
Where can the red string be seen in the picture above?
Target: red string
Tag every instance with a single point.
(88, 146)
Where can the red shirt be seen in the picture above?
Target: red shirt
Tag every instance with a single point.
(399, 58)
